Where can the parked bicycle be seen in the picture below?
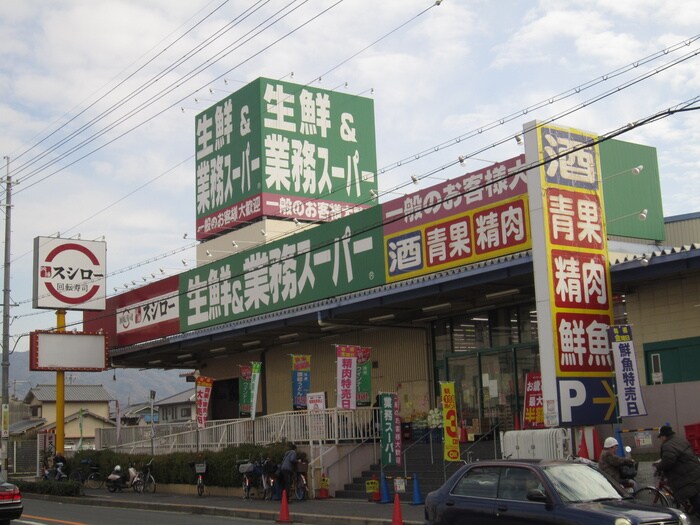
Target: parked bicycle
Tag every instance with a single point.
(200, 469)
(149, 482)
(301, 487)
(91, 477)
(258, 477)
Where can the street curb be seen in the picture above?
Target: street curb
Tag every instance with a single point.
(297, 517)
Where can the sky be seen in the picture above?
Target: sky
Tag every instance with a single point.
(98, 101)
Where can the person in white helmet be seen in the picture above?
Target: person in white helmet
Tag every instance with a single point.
(610, 463)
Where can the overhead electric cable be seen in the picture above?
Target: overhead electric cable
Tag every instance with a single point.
(688, 105)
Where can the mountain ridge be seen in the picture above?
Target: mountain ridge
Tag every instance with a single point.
(127, 385)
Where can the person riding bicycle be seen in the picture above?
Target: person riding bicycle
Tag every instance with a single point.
(612, 464)
(288, 468)
(680, 465)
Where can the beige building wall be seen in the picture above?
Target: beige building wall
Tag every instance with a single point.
(680, 233)
(400, 364)
(664, 310)
(72, 429)
(48, 410)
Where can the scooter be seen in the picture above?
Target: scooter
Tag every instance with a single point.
(117, 481)
(55, 473)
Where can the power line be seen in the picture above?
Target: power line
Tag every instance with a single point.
(688, 105)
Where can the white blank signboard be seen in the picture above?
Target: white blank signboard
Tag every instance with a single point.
(67, 351)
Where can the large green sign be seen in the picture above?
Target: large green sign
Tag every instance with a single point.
(283, 150)
(336, 258)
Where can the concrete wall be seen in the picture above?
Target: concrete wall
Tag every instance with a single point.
(673, 403)
(664, 310)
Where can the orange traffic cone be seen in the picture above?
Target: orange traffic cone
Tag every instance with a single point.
(583, 448)
(376, 496)
(396, 518)
(597, 447)
(284, 510)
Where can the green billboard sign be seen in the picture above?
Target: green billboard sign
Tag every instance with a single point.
(337, 258)
(283, 150)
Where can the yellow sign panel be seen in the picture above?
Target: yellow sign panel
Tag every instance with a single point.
(449, 421)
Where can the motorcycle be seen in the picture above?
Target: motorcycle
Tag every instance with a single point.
(117, 480)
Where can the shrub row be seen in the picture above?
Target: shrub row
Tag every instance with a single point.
(55, 488)
(178, 467)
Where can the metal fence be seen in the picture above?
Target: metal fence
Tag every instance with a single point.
(325, 426)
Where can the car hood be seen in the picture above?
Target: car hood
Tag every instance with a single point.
(627, 508)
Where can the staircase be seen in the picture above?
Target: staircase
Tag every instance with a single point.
(423, 461)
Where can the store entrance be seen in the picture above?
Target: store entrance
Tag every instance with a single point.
(490, 387)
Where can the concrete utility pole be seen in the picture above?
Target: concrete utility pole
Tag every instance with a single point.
(6, 327)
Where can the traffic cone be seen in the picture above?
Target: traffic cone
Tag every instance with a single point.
(396, 518)
(284, 510)
(384, 488)
(583, 448)
(323, 490)
(417, 499)
(597, 447)
(376, 497)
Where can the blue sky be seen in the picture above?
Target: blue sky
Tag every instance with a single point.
(435, 73)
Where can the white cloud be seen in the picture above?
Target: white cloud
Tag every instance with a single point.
(453, 69)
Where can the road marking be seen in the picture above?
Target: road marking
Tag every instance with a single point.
(52, 520)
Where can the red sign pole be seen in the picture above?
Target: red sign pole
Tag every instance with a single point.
(60, 391)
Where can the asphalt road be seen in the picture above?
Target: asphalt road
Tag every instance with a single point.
(41, 512)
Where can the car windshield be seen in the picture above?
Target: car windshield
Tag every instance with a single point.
(578, 483)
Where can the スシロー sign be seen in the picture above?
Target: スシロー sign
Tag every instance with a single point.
(69, 274)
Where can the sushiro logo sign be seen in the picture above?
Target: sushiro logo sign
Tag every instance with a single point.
(69, 274)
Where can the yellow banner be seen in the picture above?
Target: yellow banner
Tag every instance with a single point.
(450, 429)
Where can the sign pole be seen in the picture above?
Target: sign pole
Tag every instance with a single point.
(6, 323)
(60, 391)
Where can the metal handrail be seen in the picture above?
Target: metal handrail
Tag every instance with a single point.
(468, 450)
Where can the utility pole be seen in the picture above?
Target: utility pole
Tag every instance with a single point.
(6, 328)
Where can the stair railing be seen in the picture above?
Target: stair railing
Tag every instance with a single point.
(419, 439)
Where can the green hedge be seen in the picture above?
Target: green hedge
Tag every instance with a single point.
(55, 488)
(222, 466)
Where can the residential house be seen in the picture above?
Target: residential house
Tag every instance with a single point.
(86, 408)
(178, 408)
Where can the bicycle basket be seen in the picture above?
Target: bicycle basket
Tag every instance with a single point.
(200, 468)
(246, 468)
(302, 467)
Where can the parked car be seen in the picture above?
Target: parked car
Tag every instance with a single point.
(10, 503)
(506, 492)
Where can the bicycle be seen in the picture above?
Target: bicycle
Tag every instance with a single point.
(200, 469)
(149, 482)
(662, 495)
(93, 480)
(258, 475)
(301, 488)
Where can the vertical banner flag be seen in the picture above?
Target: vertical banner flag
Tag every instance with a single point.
(449, 421)
(203, 387)
(534, 407)
(256, 368)
(364, 376)
(244, 393)
(390, 429)
(346, 377)
(629, 392)
(301, 380)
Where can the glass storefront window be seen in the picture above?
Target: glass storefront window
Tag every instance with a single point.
(471, 333)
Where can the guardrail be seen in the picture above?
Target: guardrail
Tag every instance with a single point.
(326, 426)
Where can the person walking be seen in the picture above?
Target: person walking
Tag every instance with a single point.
(680, 465)
(610, 463)
(288, 469)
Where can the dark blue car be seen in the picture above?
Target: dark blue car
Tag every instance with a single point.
(507, 492)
